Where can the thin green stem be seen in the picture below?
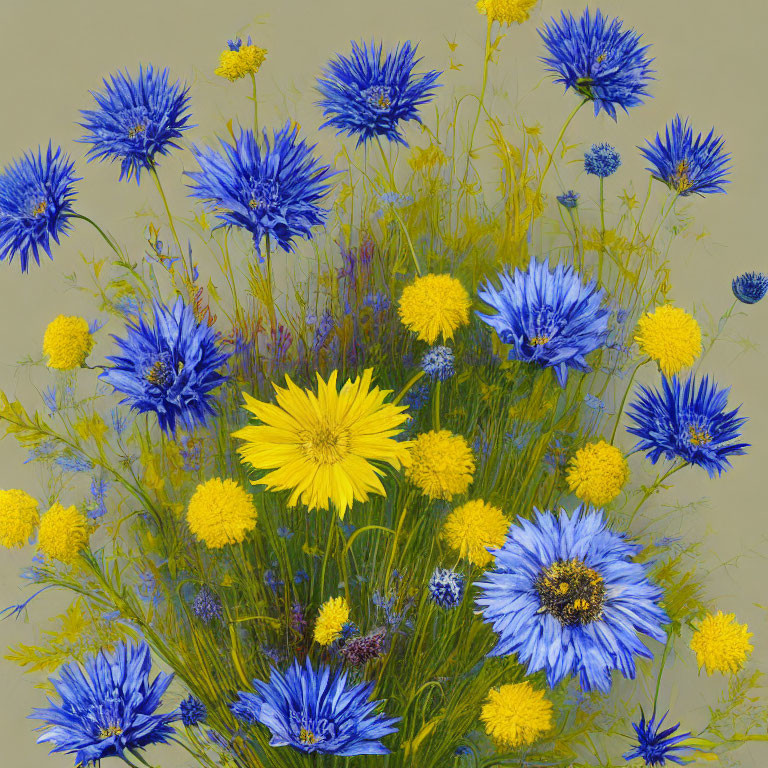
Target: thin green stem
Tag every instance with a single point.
(602, 230)
(158, 184)
(255, 106)
(436, 406)
(481, 98)
(721, 327)
(624, 399)
(404, 391)
(268, 281)
(652, 489)
(107, 239)
(559, 139)
(667, 647)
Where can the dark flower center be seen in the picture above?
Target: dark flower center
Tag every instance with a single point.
(160, 373)
(572, 592)
(379, 97)
(325, 443)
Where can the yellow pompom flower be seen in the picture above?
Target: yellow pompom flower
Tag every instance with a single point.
(475, 527)
(220, 512)
(442, 464)
(18, 517)
(333, 615)
(670, 336)
(597, 472)
(516, 715)
(63, 533)
(246, 60)
(67, 342)
(320, 446)
(434, 305)
(721, 644)
(506, 11)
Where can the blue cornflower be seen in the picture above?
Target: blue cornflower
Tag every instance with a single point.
(369, 94)
(271, 190)
(71, 463)
(136, 120)
(687, 165)
(325, 326)
(569, 199)
(548, 316)
(591, 627)
(446, 587)
(655, 747)
(437, 363)
(168, 366)
(108, 706)
(598, 59)
(378, 302)
(750, 287)
(602, 160)
(97, 506)
(51, 399)
(36, 195)
(315, 711)
(192, 711)
(207, 605)
(683, 421)
(417, 397)
(300, 577)
(119, 422)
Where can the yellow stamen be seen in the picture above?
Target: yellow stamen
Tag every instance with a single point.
(307, 737)
(39, 209)
(698, 436)
(538, 341)
(135, 131)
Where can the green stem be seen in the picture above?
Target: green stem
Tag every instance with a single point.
(107, 239)
(651, 490)
(602, 231)
(486, 61)
(559, 139)
(255, 106)
(404, 391)
(436, 406)
(667, 647)
(721, 327)
(153, 173)
(664, 217)
(268, 279)
(624, 399)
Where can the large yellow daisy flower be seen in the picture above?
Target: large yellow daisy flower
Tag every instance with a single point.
(320, 446)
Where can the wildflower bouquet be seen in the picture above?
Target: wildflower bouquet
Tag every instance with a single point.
(366, 469)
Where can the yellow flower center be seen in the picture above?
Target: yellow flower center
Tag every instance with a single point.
(698, 436)
(325, 444)
(136, 130)
(601, 58)
(40, 208)
(538, 341)
(571, 592)
(681, 181)
(307, 737)
(110, 730)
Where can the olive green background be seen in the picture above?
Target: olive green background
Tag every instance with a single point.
(709, 65)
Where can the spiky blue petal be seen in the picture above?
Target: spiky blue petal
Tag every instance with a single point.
(548, 316)
(168, 365)
(136, 119)
(750, 287)
(36, 195)
(599, 59)
(655, 746)
(107, 706)
(688, 422)
(271, 190)
(316, 711)
(369, 94)
(686, 164)
(510, 602)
